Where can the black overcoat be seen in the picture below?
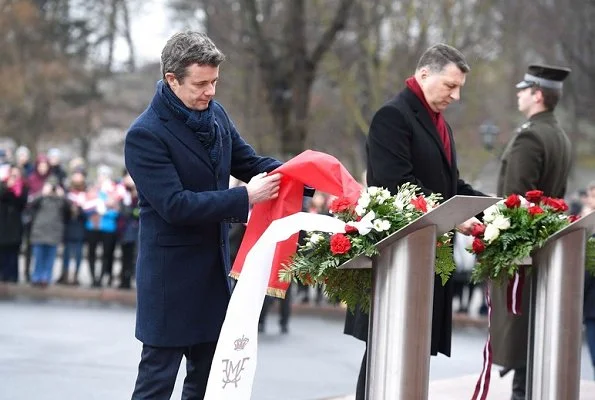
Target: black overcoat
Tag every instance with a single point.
(403, 145)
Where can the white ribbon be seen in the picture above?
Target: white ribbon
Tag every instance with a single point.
(234, 363)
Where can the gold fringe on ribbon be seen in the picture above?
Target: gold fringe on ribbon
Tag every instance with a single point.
(279, 293)
(234, 275)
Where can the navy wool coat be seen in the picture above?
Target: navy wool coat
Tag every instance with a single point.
(186, 207)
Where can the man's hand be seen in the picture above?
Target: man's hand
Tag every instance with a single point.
(466, 227)
(263, 187)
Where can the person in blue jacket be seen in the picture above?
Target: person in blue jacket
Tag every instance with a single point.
(180, 153)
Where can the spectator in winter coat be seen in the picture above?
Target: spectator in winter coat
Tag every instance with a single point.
(50, 211)
(129, 233)
(74, 234)
(13, 199)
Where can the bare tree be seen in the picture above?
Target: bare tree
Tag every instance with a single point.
(287, 66)
(31, 69)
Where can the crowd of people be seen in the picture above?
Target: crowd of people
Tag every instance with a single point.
(48, 207)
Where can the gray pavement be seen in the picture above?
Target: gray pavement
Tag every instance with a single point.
(59, 349)
(65, 349)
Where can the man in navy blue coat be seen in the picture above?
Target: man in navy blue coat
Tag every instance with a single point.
(181, 152)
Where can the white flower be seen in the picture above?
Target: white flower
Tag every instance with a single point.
(407, 191)
(383, 195)
(364, 225)
(364, 200)
(359, 210)
(373, 191)
(381, 225)
(501, 222)
(431, 204)
(490, 213)
(399, 203)
(491, 233)
(315, 238)
(524, 202)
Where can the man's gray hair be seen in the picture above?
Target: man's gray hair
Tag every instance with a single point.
(439, 56)
(188, 48)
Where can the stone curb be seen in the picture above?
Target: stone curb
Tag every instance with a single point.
(128, 298)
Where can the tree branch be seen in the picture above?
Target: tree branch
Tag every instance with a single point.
(128, 36)
(263, 50)
(328, 37)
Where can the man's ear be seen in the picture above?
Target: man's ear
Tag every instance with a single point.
(424, 72)
(171, 80)
(538, 96)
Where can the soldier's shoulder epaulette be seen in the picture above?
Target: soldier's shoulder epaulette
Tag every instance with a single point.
(524, 127)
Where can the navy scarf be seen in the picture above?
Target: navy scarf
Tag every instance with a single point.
(201, 123)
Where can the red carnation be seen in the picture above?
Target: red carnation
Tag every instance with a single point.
(350, 229)
(340, 244)
(478, 230)
(478, 246)
(573, 218)
(559, 205)
(420, 204)
(534, 196)
(535, 210)
(513, 201)
(340, 205)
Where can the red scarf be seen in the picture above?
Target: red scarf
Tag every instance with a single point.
(437, 118)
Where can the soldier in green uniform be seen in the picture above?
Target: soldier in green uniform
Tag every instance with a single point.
(537, 158)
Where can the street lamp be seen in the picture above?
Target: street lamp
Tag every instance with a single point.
(488, 131)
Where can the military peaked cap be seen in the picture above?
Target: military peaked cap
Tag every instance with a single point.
(544, 76)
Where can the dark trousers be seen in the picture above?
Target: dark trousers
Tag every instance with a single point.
(284, 312)
(73, 249)
(590, 331)
(159, 367)
(128, 263)
(360, 390)
(458, 288)
(28, 251)
(519, 384)
(9, 263)
(108, 246)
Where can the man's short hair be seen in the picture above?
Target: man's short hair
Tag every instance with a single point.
(439, 56)
(551, 97)
(188, 48)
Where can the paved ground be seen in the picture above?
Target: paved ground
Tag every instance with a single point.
(63, 349)
(75, 342)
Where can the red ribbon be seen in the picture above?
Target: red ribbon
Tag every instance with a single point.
(514, 297)
(514, 292)
(318, 170)
(483, 383)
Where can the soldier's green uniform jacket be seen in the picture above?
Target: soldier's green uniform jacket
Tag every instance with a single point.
(537, 158)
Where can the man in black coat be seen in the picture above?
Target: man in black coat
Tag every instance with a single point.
(180, 153)
(409, 141)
